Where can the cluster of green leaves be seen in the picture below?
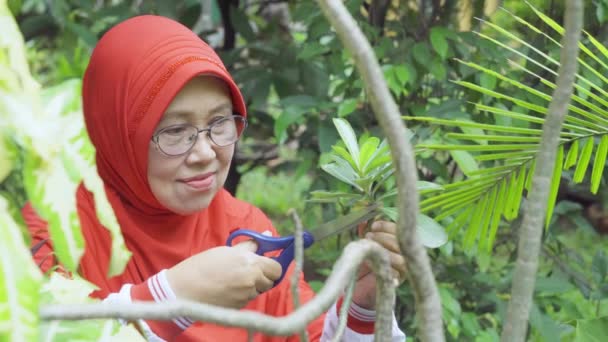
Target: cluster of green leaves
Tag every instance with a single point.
(496, 154)
(366, 165)
(296, 79)
(506, 148)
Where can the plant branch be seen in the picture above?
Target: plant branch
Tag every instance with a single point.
(516, 323)
(343, 272)
(421, 277)
(298, 260)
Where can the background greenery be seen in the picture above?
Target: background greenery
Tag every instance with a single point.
(296, 77)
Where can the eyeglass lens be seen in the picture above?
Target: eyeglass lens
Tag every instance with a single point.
(179, 139)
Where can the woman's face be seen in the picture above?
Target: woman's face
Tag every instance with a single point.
(187, 183)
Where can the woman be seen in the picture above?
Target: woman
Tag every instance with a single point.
(164, 114)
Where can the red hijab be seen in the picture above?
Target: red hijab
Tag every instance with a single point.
(135, 71)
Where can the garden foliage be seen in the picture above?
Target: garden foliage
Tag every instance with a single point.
(474, 103)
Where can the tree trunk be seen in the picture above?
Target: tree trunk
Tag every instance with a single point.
(229, 32)
(490, 6)
(428, 305)
(465, 15)
(377, 13)
(516, 324)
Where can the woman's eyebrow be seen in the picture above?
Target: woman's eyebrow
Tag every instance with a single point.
(221, 107)
(188, 114)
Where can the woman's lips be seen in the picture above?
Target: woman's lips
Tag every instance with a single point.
(201, 183)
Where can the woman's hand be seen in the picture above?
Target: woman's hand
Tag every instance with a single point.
(384, 233)
(224, 276)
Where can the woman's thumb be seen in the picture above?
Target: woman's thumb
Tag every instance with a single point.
(248, 245)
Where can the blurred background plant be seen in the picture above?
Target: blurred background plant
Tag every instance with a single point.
(297, 78)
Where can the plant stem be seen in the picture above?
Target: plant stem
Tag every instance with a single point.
(421, 277)
(524, 277)
(298, 260)
(343, 272)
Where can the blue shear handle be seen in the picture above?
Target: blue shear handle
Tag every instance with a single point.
(270, 243)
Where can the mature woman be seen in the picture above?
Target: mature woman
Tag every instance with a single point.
(164, 115)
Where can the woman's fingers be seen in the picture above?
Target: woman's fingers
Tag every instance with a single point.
(263, 284)
(270, 268)
(386, 240)
(384, 233)
(384, 226)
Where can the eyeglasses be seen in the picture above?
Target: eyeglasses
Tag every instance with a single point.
(179, 139)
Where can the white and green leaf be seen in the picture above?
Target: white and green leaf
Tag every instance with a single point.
(20, 280)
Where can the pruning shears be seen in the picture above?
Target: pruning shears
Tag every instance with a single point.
(287, 243)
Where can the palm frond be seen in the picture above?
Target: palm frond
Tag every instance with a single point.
(507, 154)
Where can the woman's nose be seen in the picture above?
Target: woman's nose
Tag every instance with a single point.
(203, 149)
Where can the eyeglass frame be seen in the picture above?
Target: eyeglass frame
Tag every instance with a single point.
(155, 136)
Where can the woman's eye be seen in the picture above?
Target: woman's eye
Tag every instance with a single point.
(175, 131)
(217, 120)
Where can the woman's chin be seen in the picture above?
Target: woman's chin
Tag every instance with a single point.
(192, 205)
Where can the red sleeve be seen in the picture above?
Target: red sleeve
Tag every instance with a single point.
(41, 244)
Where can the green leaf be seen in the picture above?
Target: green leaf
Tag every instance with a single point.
(528, 184)
(465, 161)
(82, 32)
(380, 157)
(320, 196)
(505, 156)
(572, 155)
(487, 218)
(487, 81)
(481, 148)
(368, 149)
(342, 173)
(8, 156)
(402, 73)
(501, 138)
(427, 186)
(290, 115)
(555, 180)
(120, 254)
(519, 190)
(554, 285)
(583, 162)
(61, 290)
(511, 195)
(348, 136)
(552, 23)
(456, 197)
(591, 330)
(463, 217)
(599, 267)
(421, 53)
(341, 152)
(19, 283)
(439, 41)
(52, 193)
(346, 107)
(464, 123)
(240, 21)
(599, 164)
(431, 233)
(496, 215)
(472, 232)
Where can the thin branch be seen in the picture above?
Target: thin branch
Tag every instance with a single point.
(299, 259)
(343, 315)
(524, 277)
(344, 270)
(428, 305)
